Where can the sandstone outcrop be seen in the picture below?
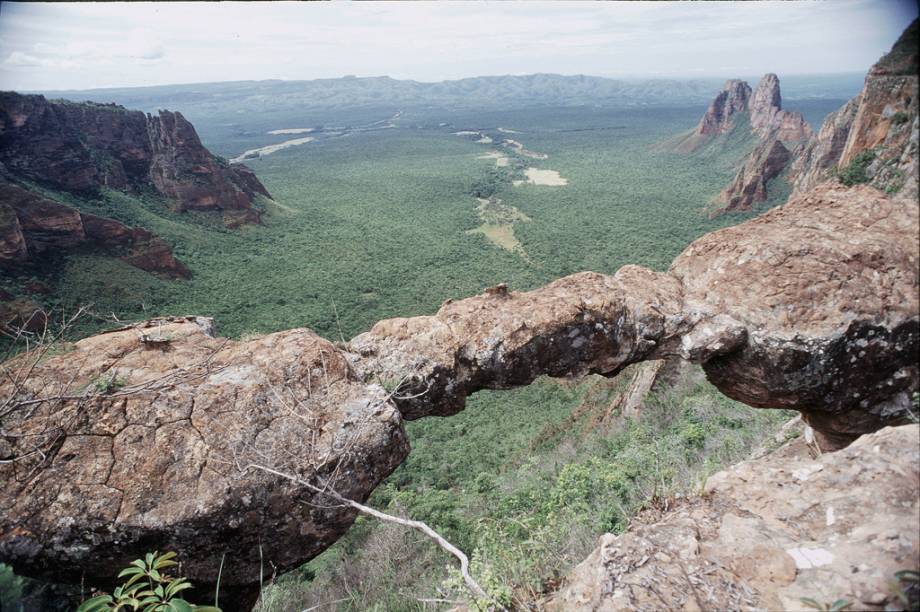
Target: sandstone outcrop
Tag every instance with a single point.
(83, 147)
(733, 99)
(768, 119)
(767, 161)
(777, 130)
(767, 534)
(148, 448)
(881, 125)
(32, 226)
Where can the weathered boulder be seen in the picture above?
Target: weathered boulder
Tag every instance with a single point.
(128, 444)
(82, 147)
(826, 287)
(767, 533)
(32, 225)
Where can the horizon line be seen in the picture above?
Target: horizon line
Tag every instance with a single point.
(629, 77)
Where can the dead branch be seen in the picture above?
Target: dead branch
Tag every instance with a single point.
(471, 584)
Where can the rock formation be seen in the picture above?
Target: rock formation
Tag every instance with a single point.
(153, 453)
(776, 129)
(768, 533)
(767, 117)
(733, 99)
(767, 161)
(32, 226)
(881, 125)
(145, 437)
(83, 147)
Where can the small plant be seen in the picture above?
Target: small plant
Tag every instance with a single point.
(105, 386)
(837, 606)
(899, 117)
(148, 589)
(856, 171)
(906, 587)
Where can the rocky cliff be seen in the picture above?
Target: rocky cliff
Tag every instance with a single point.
(733, 99)
(777, 130)
(83, 147)
(870, 140)
(873, 138)
(32, 226)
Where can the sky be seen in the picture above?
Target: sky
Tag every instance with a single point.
(46, 46)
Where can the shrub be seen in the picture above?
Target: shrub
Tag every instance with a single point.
(857, 170)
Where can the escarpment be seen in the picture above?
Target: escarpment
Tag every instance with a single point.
(84, 147)
(873, 138)
(32, 227)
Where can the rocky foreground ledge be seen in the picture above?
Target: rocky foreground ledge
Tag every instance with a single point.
(767, 534)
(145, 437)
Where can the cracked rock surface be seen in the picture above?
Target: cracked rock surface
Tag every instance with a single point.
(767, 533)
(149, 453)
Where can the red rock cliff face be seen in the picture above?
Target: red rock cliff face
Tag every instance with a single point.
(31, 225)
(778, 130)
(82, 147)
(881, 122)
(731, 100)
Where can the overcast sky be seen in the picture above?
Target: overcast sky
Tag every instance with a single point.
(84, 45)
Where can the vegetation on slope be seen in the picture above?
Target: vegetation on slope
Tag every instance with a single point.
(527, 496)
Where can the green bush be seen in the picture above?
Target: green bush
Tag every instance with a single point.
(856, 171)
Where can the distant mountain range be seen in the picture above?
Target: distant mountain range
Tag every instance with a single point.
(478, 92)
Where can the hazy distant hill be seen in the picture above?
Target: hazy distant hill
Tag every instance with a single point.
(480, 92)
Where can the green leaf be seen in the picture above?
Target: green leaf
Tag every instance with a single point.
(155, 575)
(99, 602)
(177, 585)
(128, 571)
(164, 561)
(148, 559)
(840, 604)
(811, 603)
(180, 605)
(134, 579)
(206, 609)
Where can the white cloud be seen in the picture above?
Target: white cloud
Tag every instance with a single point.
(83, 45)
